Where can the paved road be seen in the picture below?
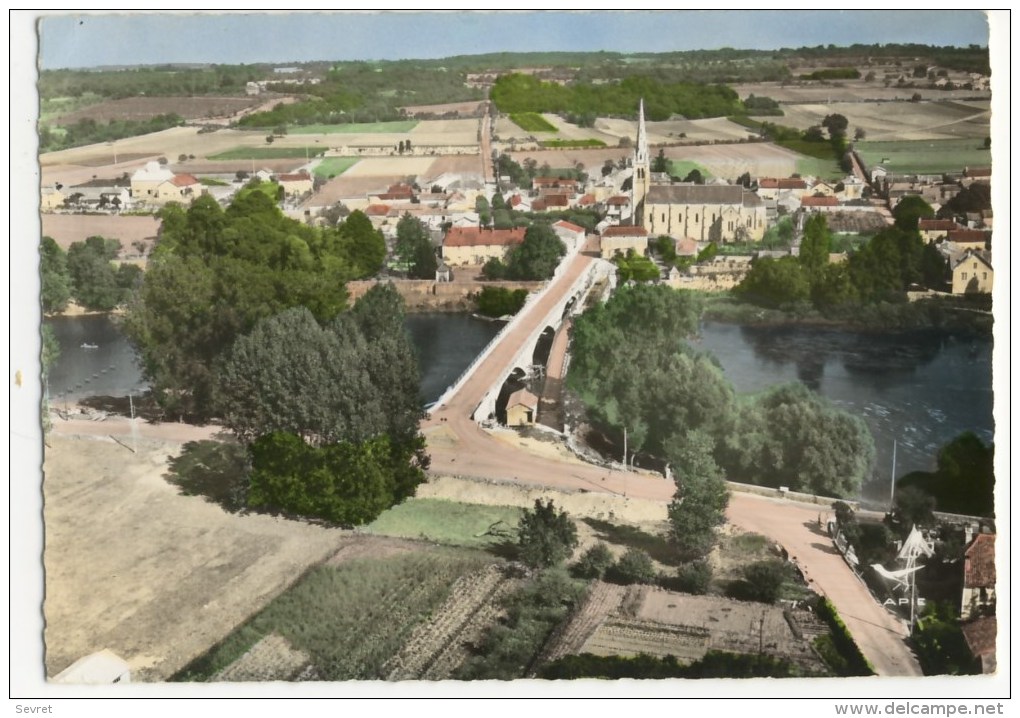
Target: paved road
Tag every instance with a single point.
(459, 447)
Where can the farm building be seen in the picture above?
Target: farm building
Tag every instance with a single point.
(475, 245)
(933, 230)
(179, 188)
(521, 408)
(145, 180)
(771, 187)
(295, 185)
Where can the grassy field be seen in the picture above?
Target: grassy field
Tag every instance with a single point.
(532, 122)
(825, 169)
(445, 522)
(925, 156)
(267, 153)
(349, 619)
(395, 127)
(682, 168)
(334, 166)
(572, 143)
(53, 107)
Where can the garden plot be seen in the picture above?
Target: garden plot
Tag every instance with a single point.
(437, 648)
(627, 621)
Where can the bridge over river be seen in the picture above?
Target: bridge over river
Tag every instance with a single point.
(460, 446)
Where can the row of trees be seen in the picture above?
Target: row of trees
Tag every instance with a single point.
(892, 260)
(214, 273)
(89, 131)
(635, 373)
(525, 93)
(86, 273)
(330, 412)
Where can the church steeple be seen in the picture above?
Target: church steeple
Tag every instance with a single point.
(642, 169)
(641, 153)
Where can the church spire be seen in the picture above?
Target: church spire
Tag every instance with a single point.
(641, 154)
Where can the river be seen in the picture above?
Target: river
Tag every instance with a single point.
(920, 389)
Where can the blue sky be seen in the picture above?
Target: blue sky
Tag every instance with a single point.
(89, 40)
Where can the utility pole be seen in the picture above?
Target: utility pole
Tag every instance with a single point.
(625, 447)
(892, 483)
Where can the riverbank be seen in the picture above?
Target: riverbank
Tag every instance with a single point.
(946, 313)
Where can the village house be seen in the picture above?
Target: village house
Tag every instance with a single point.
(978, 597)
(976, 174)
(618, 208)
(572, 234)
(295, 185)
(819, 204)
(619, 239)
(99, 193)
(980, 637)
(521, 408)
(823, 189)
(965, 239)
(475, 245)
(972, 273)
(179, 188)
(771, 187)
(145, 181)
(932, 230)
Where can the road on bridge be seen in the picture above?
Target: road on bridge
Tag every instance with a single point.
(460, 447)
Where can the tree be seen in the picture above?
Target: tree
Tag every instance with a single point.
(55, 280)
(913, 507)
(695, 577)
(607, 168)
(695, 176)
(765, 579)
(860, 133)
(414, 248)
(910, 210)
(537, 256)
(816, 245)
(635, 566)
(93, 275)
(775, 282)
(593, 562)
(836, 124)
(814, 134)
(964, 479)
(364, 244)
(699, 504)
(660, 163)
(791, 436)
(545, 536)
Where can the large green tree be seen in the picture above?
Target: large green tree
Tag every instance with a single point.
(414, 248)
(964, 479)
(791, 436)
(93, 275)
(546, 536)
(699, 504)
(55, 280)
(775, 282)
(214, 273)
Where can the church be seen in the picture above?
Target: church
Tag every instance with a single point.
(706, 213)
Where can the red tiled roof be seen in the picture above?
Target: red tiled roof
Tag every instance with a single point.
(184, 180)
(624, 231)
(819, 202)
(979, 562)
(296, 177)
(377, 210)
(980, 635)
(556, 200)
(515, 200)
(782, 183)
(394, 197)
(569, 226)
(967, 235)
(475, 236)
(524, 398)
(618, 200)
(934, 225)
(586, 200)
(538, 204)
(401, 188)
(977, 171)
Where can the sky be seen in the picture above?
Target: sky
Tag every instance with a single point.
(84, 40)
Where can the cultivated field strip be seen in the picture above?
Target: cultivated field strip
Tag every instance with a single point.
(602, 600)
(435, 649)
(271, 659)
(621, 636)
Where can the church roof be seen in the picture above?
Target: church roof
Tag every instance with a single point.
(701, 194)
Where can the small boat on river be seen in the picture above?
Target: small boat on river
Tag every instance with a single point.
(86, 345)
